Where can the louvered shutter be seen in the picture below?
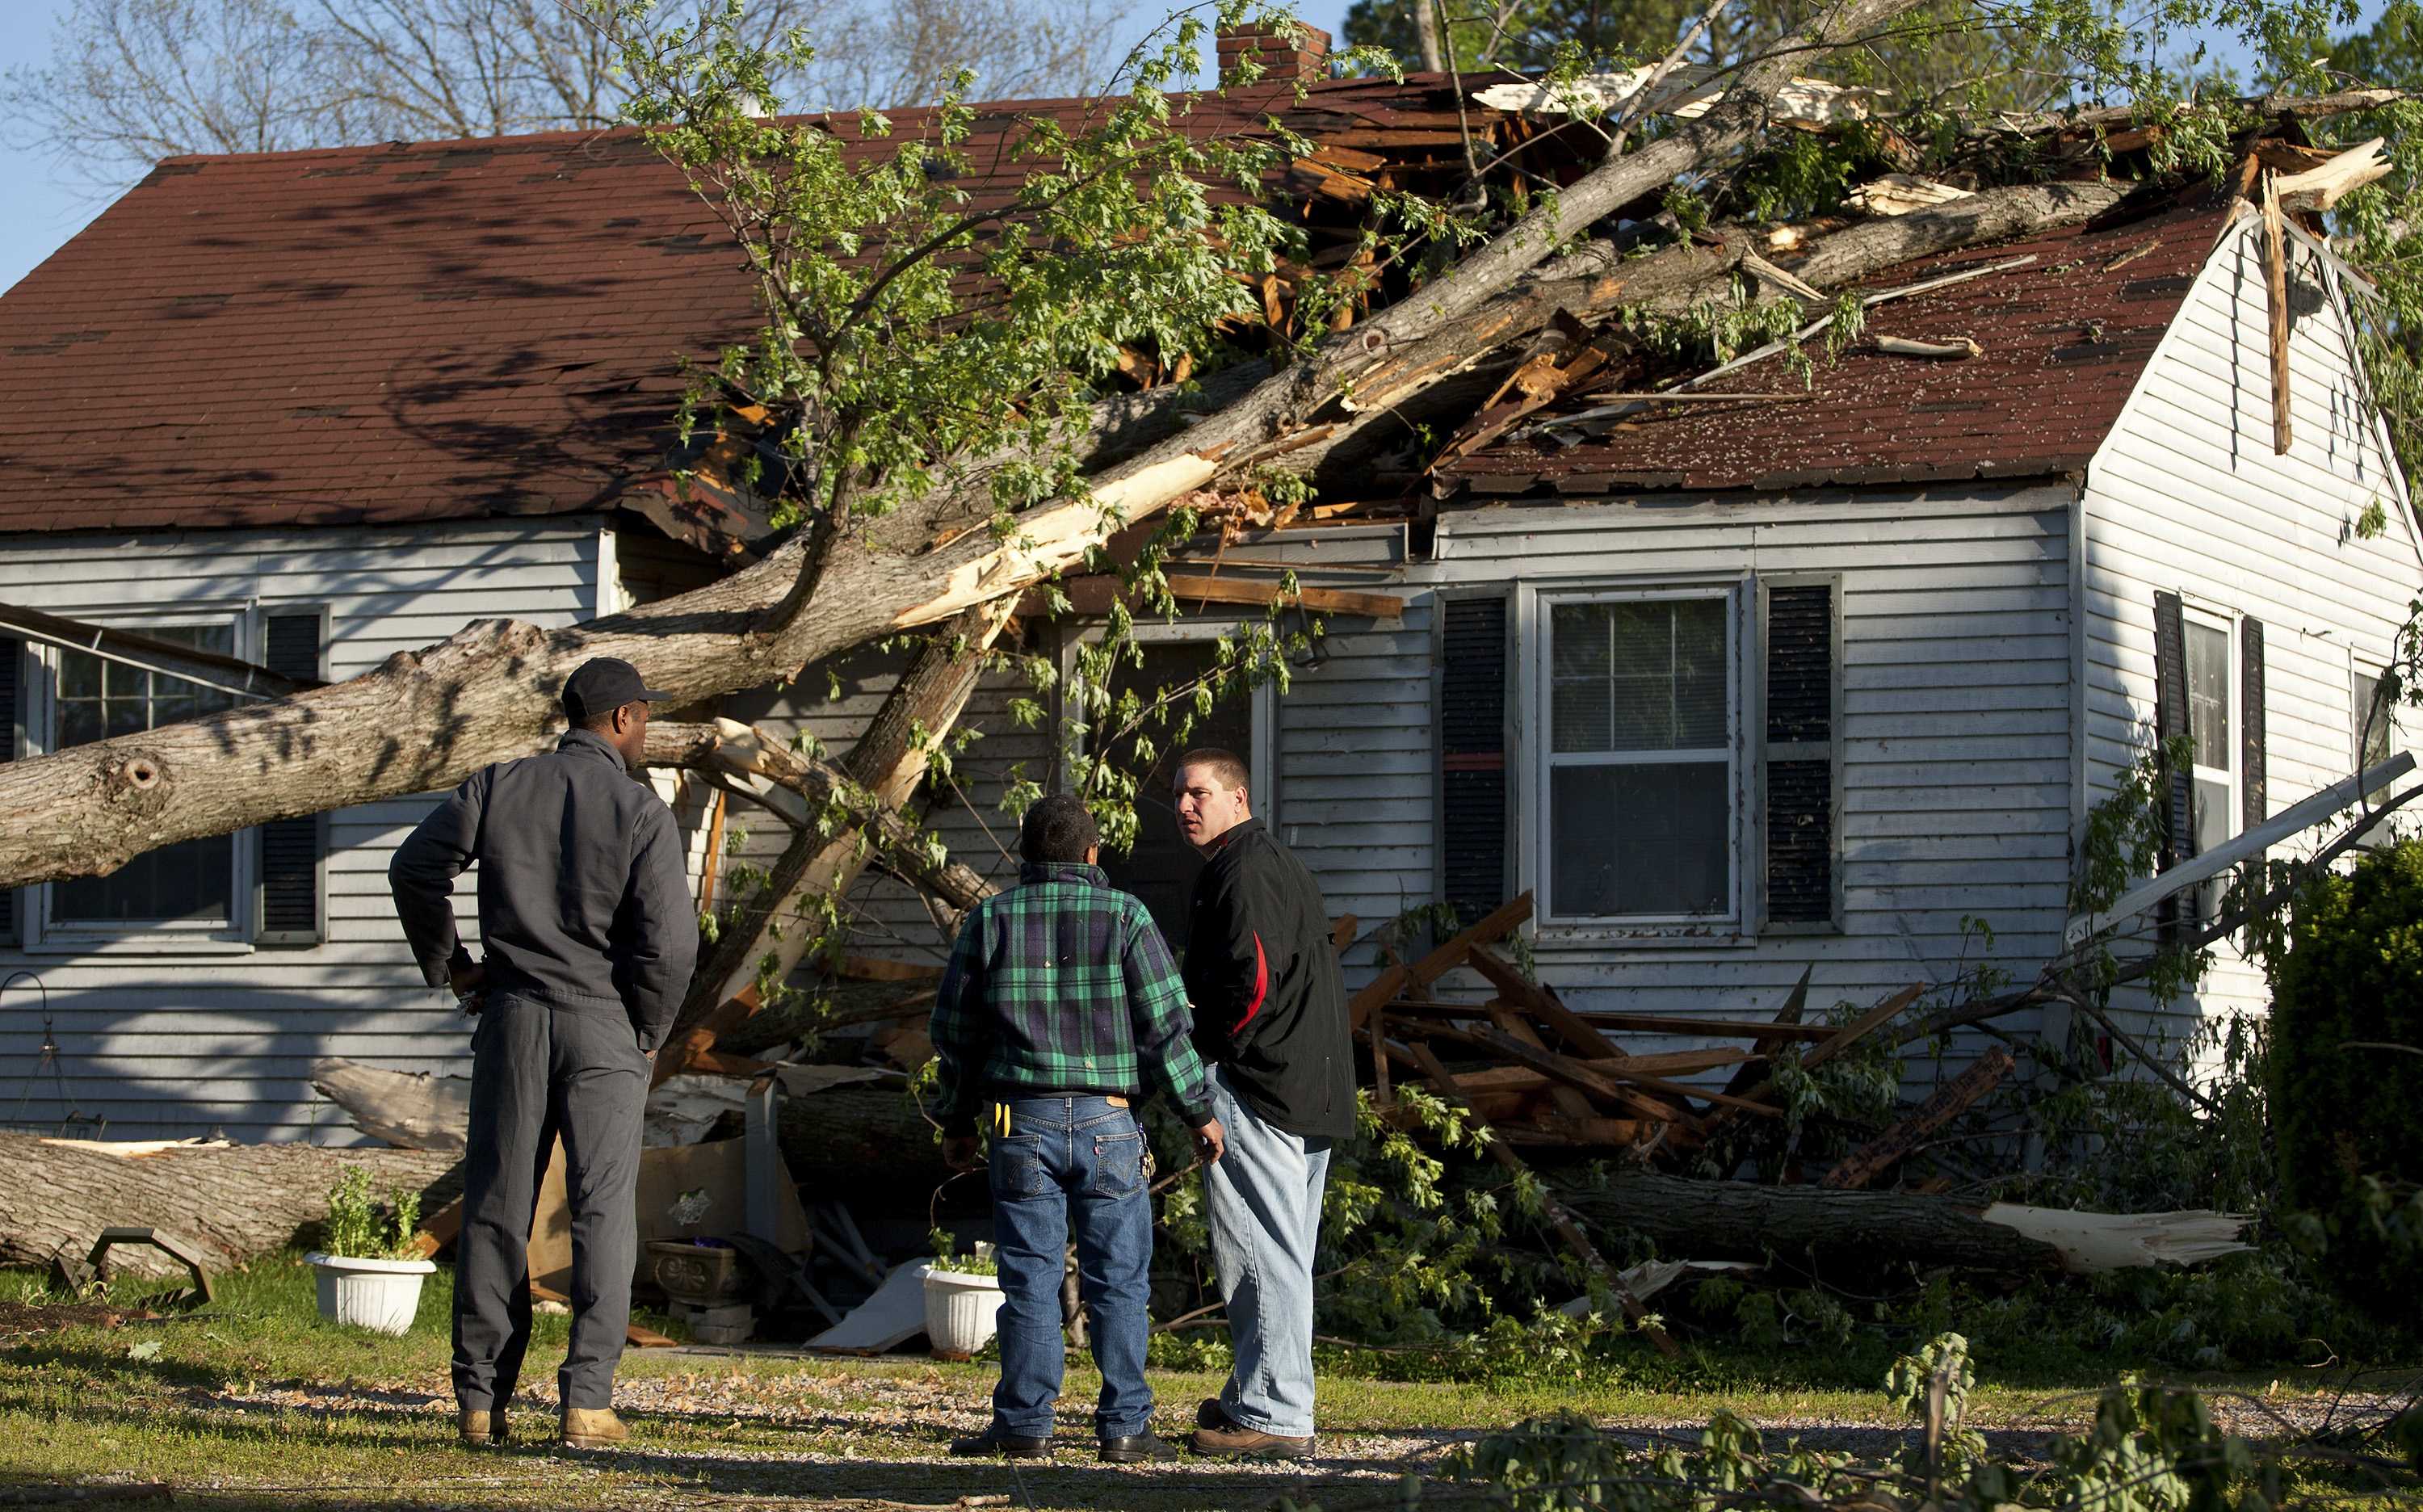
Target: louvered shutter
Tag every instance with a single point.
(12, 678)
(1802, 755)
(289, 907)
(1472, 755)
(2170, 724)
(2254, 800)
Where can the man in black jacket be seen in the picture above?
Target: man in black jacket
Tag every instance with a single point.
(1269, 1017)
(586, 919)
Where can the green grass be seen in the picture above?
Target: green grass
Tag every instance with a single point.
(254, 1402)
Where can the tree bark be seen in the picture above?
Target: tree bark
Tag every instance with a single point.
(1738, 1220)
(426, 720)
(408, 1109)
(861, 1145)
(231, 1202)
(769, 934)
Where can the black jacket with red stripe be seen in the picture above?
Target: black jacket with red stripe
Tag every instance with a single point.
(1270, 1004)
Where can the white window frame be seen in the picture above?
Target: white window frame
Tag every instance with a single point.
(45, 936)
(1534, 604)
(2234, 775)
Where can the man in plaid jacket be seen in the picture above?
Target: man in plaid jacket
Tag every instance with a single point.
(1060, 1005)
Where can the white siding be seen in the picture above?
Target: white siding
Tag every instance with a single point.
(2186, 496)
(1954, 708)
(166, 1045)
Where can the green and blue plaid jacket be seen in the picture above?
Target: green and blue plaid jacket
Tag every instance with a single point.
(1063, 984)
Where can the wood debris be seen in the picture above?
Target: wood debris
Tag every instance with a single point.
(1957, 349)
(1898, 194)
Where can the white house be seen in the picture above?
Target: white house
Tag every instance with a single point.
(1737, 689)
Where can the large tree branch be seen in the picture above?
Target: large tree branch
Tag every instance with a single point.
(426, 720)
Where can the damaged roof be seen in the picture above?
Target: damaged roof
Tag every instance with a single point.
(436, 330)
(2064, 337)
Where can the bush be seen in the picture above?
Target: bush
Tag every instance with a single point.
(2344, 1076)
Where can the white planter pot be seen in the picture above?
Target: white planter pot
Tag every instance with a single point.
(370, 1294)
(959, 1311)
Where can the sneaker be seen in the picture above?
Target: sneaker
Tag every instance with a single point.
(993, 1443)
(1233, 1443)
(1136, 1449)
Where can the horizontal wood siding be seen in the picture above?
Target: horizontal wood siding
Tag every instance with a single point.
(171, 1045)
(2187, 497)
(1956, 712)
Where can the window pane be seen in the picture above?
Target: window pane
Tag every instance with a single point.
(2214, 825)
(2209, 695)
(1579, 668)
(1639, 839)
(2371, 719)
(1639, 677)
(188, 884)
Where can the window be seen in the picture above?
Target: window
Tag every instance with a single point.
(1639, 821)
(2212, 724)
(2371, 722)
(190, 885)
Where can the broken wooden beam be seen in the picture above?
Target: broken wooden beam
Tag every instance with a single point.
(1871, 1159)
(1599, 1077)
(1449, 955)
(2275, 289)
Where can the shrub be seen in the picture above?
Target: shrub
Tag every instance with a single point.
(2345, 1075)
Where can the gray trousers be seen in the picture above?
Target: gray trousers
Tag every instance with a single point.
(538, 1072)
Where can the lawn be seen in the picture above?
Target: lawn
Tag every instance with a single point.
(256, 1403)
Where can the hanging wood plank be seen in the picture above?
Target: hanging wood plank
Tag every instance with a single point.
(1871, 1159)
(1542, 1001)
(1794, 1004)
(2276, 287)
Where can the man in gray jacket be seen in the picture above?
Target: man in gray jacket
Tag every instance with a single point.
(586, 918)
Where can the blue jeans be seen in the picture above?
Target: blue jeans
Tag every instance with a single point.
(1263, 1197)
(1080, 1160)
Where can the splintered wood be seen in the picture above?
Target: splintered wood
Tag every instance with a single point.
(1551, 1076)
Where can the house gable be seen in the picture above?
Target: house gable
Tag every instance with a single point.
(2187, 497)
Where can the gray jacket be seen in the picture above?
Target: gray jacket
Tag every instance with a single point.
(583, 900)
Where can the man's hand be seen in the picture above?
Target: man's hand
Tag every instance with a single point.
(959, 1152)
(467, 977)
(1210, 1139)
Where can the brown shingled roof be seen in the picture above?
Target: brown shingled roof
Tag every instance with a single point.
(421, 330)
(2064, 339)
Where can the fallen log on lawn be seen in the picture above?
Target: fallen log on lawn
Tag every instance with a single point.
(231, 1202)
(1739, 1220)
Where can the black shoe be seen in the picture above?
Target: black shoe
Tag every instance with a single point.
(993, 1443)
(1137, 1448)
(1209, 1414)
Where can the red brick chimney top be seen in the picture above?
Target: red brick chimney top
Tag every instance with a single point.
(1303, 55)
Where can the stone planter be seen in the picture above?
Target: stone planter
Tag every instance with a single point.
(959, 1311)
(380, 1294)
(702, 1275)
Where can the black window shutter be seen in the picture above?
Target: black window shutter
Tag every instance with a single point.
(1472, 755)
(2170, 724)
(13, 663)
(292, 851)
(2254, 804)
(1802, 779)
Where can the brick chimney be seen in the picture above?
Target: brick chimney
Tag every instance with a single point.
(1303, 55)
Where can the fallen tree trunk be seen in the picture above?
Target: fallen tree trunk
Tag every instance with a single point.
(408, 1109)
(1738, 1220)
(231, 1202)
(862, 1146)
(426, 720)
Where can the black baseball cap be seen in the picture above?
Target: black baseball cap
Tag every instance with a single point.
(604, 684)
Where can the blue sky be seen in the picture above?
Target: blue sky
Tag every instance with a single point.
(46, 205)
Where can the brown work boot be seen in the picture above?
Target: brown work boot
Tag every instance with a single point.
(478, 1429)
(593, 1427)
(1232, 1441)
